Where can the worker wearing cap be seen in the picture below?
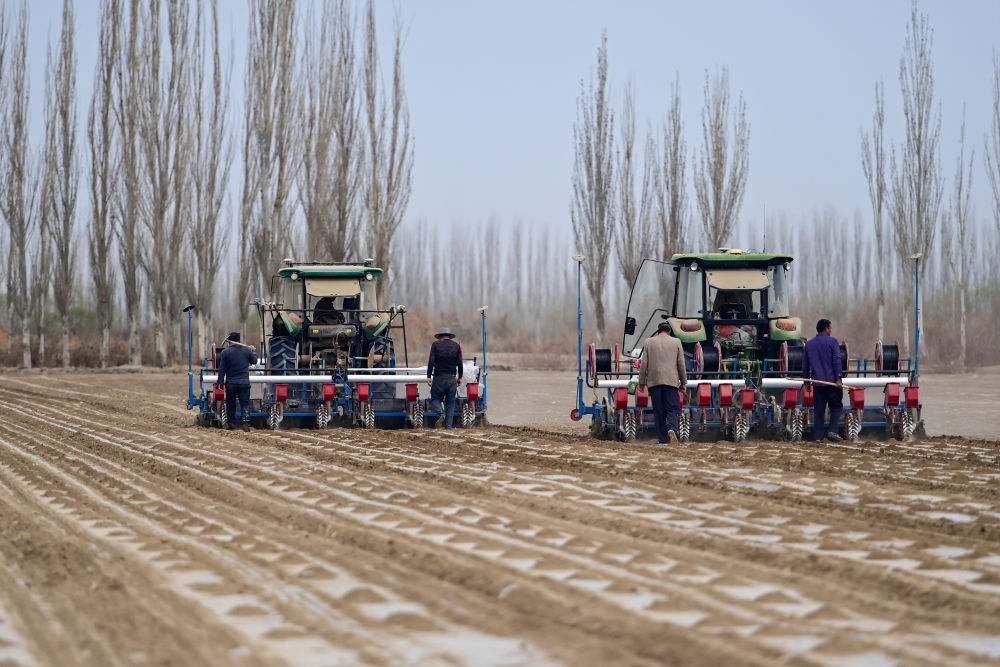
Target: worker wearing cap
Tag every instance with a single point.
(822, 361)
(444, 372)
(234, 375)
(662, 370)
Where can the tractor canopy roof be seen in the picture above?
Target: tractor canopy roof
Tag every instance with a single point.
(731, 259)
(329, 270)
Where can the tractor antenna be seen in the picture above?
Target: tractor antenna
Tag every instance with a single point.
(764, 206)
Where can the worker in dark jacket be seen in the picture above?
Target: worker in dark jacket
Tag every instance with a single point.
(234, 375)
(444, 372)
(822, 361)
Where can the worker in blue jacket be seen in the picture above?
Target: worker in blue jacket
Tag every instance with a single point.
(234, 375)
(822, 361)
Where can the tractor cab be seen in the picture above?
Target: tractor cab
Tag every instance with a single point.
(327, 316)
(728, 304)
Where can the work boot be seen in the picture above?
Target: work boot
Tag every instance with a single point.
(833, 437)
(246, 428)
(673, 437)
(439, 422)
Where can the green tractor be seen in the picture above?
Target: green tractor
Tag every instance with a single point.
(329, 357)
(743, 348)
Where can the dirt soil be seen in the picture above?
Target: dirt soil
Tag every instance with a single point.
(130, 536)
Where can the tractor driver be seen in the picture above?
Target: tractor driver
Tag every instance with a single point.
(234, 375)
(326, 313)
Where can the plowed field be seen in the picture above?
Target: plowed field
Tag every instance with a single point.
(130, 536)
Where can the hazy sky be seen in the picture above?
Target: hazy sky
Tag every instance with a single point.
(493, 89)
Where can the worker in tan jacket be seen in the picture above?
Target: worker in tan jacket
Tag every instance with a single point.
(662, 371)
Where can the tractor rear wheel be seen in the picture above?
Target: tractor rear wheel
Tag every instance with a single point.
(281, 352)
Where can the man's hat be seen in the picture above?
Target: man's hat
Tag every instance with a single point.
(664, 326)
(234, 336)
(442, 332)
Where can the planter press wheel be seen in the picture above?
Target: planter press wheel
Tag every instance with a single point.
(323, 416)
(275, 415)
(684, 426)
(886, 357)
(852, 426)
(367, 415)
(798, 425)
(741, 426)
(468, 414)
(707, 359)
(906, 425)
(221, 419)
(416, 414)
(627, 433)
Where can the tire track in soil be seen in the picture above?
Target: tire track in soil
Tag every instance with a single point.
(388, 441)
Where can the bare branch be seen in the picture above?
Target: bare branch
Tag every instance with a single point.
(721, 169)
(671, 191)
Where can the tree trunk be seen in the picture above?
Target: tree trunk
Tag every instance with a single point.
(65, 340)
(134, 351)
(180, 339)
(599, 316)
(906, 329)
(41, 347)
(880, 292)
(26, 342)
(105, 345)
(159, 339)
(961, 328)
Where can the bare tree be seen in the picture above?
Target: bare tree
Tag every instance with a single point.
(18, 194)
(104, 149)
(592, 210)
(671, 188)
(390, 154)
(10, 273)
(992, 142)
(162, 146)
(917, 187)
(720, 172)
(270, 147)
(129, 87)
(873, 164)
(333, 152)
(961, 212)
(212, 160)
(634, 233)
(62, 173)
